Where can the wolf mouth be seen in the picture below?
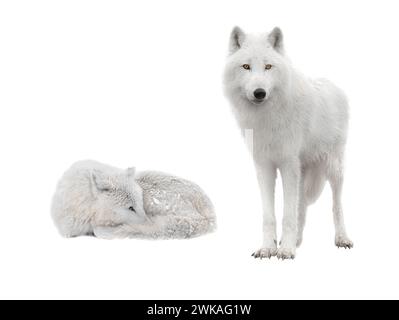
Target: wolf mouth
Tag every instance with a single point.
(257, 102)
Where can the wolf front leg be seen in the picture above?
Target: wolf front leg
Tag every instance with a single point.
(302, 208)
(266, 173)
(108, 232)
(290, 175)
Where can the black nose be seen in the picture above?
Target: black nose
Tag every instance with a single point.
(259, 94)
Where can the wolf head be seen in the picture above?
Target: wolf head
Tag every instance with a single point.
(257, 68)
(119, 199)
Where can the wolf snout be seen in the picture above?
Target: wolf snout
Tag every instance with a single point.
(259, 94)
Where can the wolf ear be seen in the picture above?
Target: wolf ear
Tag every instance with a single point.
(131, 172)
(276, 39)
(101, 180)
(237, 38)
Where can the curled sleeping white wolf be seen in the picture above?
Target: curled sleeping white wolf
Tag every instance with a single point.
(97, 199)
(299, 128)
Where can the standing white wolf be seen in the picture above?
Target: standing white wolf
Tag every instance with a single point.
(299, 128)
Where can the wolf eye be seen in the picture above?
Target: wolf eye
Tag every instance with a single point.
(246, 67)
(268, 66)
(132, 209)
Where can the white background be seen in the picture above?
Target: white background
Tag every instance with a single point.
(140, 83)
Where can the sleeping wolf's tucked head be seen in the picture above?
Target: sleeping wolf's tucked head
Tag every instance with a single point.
(257, 68)
(119, 199)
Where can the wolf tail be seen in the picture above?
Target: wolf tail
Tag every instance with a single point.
(314, 182)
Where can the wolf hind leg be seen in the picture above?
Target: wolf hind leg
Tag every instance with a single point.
(302, 209)
(313, 180)
(336, 179)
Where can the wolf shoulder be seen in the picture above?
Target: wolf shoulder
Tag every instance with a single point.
(329, 94)
(327, 115)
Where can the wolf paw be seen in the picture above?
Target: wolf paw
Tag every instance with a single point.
(342, 241)
(286, 253)
(265, 253)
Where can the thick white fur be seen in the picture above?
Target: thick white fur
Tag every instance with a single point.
(94, 199)
(300, 129)
(92, 196)
(176, 209)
